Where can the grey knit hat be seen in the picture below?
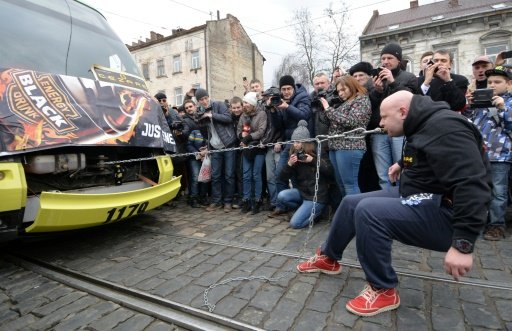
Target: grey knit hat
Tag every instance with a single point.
(201, 93)
(301, 132)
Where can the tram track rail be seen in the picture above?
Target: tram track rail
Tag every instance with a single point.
(187, 317)
(424, 275)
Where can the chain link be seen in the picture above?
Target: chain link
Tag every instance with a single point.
(319, 139)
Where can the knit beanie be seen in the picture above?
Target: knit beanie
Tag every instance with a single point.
(301, 132)
(393, 49)
(361, 67)
(251, 98)
(201, 93)
(286, 80)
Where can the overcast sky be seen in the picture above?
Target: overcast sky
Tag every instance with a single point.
(267, 22)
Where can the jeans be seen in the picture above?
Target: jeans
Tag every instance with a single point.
(291, 199)
(346, 168)
(223, 169)
(283, 159)
(252, 175)
(497, 209)
(386, 152)
(239, 183)
(193, 170)
(379, 217)
(271, 160)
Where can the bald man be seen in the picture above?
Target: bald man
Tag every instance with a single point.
(441, 204)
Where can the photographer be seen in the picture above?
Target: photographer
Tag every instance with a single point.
(301, 164)
(322, 89)
(442, 85)
(196, 143)
(217, 119)
(295, 106)
(495, 123)
(273, 134)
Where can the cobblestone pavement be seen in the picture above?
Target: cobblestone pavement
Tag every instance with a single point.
(176, 253)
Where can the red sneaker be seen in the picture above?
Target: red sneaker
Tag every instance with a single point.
(320, 263)
(372, 302)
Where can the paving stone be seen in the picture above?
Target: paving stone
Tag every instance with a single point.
(480, 316)
(172, 285)
(57, 304)
(188, 293)
(87, 315)
(142, 275)
(150, 284)
(276, 320)
(136, 322)
(411, 319)
(108, 322)
(321, 301)
(252, 316)
(267, 298)
(27, 306)
(342, 316)
(310, 321)
(51, 319)
(161, 326)
(20, 323)
(7, 315)
(504, 309)
(412, 298)
(411, 283)
(299, 292)
(384, 319)
(35, 292)
(247, 289)
(230, 306)
(444, 296)
(472, 294)
(370, 326)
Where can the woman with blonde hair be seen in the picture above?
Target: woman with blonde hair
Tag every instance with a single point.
(346, 153)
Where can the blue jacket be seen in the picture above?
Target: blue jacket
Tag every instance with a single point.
(299, 108)
(496, 129)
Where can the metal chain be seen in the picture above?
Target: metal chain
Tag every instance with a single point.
(346, 135)
(319, 139)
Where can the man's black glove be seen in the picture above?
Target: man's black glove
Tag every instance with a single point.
(247, 140)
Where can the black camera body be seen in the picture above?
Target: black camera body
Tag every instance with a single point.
(330, 95)
(177, 126)
(376, 72)
(432, 63)
(301, 156)
(201, 111)
(482, 98)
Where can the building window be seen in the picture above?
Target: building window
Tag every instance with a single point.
(176, 60)
(160, 68)
(145, 71)
(196, 85)
(493, 50)
(195, 60)
(178, 96)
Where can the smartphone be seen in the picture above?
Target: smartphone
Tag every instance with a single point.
(507, 55)
(431, 63)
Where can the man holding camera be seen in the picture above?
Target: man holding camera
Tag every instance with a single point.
(221, 134)
(442, 85)
(295, 106)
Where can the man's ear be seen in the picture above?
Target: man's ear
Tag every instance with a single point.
(403, 112)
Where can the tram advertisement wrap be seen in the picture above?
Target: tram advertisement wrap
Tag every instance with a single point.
(40, 110)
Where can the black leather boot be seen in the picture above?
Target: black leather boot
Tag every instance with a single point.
(246, 206)
(256, 207)
(193, 203)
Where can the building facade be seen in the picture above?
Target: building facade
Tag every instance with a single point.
(214, 56)
(467, 28)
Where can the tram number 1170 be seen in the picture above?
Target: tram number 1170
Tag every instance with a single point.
(116, 214)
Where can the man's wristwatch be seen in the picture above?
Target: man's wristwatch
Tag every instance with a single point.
(463, 245)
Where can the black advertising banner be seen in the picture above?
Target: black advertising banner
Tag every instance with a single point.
(40, 110)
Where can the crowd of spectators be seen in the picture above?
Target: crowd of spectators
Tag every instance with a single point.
(278, 177)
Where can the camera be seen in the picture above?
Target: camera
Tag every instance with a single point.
(177, 125)
(482, 98)
(330, 95)
(201, 111)
(432, 63)
(301, 156)
(376, 72)
(275, 100)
